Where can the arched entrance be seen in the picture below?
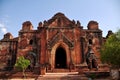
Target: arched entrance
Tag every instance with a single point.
(60, 58)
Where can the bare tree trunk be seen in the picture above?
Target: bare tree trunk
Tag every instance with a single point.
(24, 75)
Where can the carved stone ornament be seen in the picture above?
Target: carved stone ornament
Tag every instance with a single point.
(58, 37)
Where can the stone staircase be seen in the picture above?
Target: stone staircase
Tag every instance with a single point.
(63, 76)
(80, 73)
(81, 69)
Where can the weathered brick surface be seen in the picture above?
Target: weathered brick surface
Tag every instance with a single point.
(57, 32)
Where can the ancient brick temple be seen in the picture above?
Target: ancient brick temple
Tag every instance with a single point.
(58, 42)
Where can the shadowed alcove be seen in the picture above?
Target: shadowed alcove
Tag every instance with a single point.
(60, 58)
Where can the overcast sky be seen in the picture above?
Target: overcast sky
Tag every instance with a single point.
(14, 12)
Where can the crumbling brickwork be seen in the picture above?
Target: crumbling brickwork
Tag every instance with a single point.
(56, 34)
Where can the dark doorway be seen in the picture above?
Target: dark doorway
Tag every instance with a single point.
(60, 58)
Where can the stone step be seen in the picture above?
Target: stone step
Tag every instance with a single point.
(63, 76)
(60, 70)
(101, 67)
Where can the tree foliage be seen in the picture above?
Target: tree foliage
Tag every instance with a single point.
(22, 64)
(110, 51)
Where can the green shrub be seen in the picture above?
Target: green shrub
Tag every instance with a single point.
(22, 64)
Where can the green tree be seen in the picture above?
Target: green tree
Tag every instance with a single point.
(110, 53)
(22, 64)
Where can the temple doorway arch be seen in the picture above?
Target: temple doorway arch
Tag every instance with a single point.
(55, 50)
(60, 58)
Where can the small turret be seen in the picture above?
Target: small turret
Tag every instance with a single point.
(26, 26)
(8, 36)
(93, 25)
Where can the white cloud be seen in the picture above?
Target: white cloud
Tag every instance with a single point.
(3, 29)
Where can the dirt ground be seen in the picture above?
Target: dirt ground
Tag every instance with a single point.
(13, 74)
